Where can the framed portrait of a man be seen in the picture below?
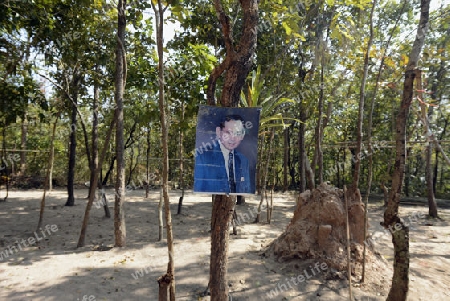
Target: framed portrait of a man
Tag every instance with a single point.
(226, 150)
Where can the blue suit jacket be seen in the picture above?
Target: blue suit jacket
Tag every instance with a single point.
(210, 174)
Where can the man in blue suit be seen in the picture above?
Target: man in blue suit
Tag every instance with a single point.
(220, 168)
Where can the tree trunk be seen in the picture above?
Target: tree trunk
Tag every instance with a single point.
(130, 174)
(147, 160)
(72, 153)
(129, 143)
(362, 91)
(302, 149)
(338, 167)
(259, 164)
(160, 214)
(164, 283)
(436, 156)
(23, 146)
(237, 64)
(372, 105)
(369, 130)
(400, 238)
(265, 178)
(50, 162)
(318, 153)
(4, 170)
(181, 175)
(432, 206)
(170, 274)
(120, 79)
(95, 165)
(286, 158)
(223, 208)
(110, 169)
(309, 175)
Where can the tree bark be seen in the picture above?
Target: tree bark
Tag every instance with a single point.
(286, 158)
(362, 91)
(120, 78)
(237, 64)
(147, 162)
(400, 280)
(372, 106)
(23, 146)
(318, 152)
(369, 130)
(432, 206)
(50, 162)
(96, 165)
(160, 214)
(265, 177)
(110, 169)
(436, 163)
(180, 147)
(170, 274)
(302, 148)
(72, 152)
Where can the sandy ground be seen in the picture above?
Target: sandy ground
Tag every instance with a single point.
(53, 269)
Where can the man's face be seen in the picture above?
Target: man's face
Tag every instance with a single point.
(232, 134)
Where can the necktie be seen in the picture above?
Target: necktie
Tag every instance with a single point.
(231, 173)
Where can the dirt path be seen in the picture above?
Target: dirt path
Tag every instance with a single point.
(52, 268)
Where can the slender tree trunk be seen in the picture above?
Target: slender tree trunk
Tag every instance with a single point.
(170, 274)
(23, 146)
(133, 166)
(432, 206)
(407, 173)
(436, 155)
(160, 214)
(96, 164)
(286, 158)
(3, 168)
(265, 178)
(309, 175)
(50, 162)
(362, 91)
(129, 143)
(130, 174)
(400, 238)
(181, 137)
(269, 163)
(369, 131)
(259, 164)
(120, 79)
(318, 154)
(72, 153)
(93, 166)
(147, 158)
(110, 169)
(338, 168)
(372, 106)
(302, 149)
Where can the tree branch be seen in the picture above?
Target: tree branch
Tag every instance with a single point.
(226, 28)
(215, 74)
(83, 124)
